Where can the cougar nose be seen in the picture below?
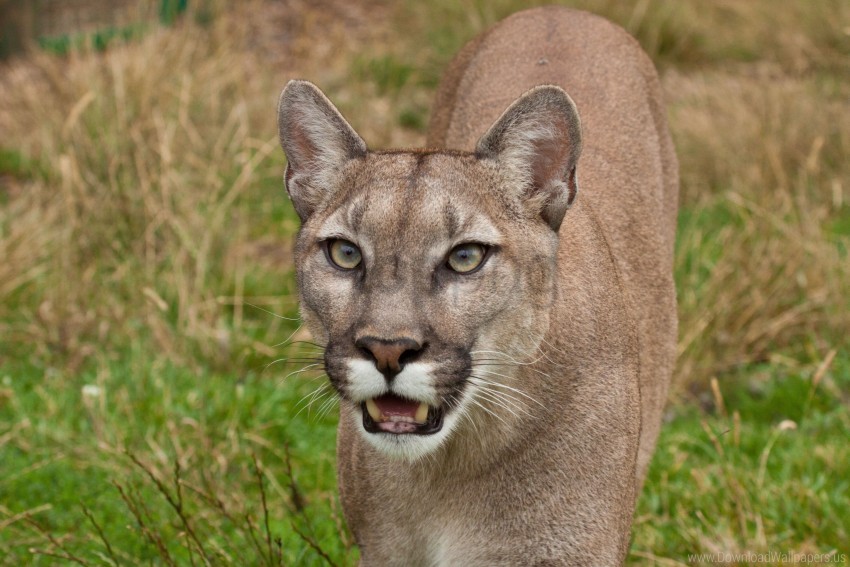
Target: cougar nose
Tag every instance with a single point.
(390, 355)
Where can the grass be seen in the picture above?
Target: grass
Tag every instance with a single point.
(762, 471)
(119, 442)
(151, 411)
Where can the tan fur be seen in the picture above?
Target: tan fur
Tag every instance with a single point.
(551, 362)
(628, 170)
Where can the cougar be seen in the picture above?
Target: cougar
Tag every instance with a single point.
(497, 312)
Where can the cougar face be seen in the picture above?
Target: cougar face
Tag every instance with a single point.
(406, 272)
(434, 286)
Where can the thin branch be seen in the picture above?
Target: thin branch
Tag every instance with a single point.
(101, 535)
(176, 505)
(65, 554)
(152, 537)
(315, 546)
(260, 482)
(295, 492)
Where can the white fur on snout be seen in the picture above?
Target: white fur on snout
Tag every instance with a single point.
(364, 380)
(415, 382)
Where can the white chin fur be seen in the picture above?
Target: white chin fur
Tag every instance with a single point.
(408, 447)
(414, 382)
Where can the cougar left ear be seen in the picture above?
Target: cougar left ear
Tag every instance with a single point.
(538, 140)
(317, 141)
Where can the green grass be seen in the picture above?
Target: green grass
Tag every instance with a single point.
(715, 477)
(766, 470)
(75, 438)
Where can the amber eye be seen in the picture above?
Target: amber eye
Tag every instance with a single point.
(464, 258)
(344, 254)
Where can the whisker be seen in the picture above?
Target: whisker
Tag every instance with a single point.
(474, 364)
(505, 386)
(464, 414)
(323, 398)
(273, 314)
(543, 353)
(300, 359)
(551, 346)
(286, 363)
(488, 386)
(327, 406)
(319, 392)
(506, 355)
(320, 374)
(310, 343)
(289, 338)
(307, 368)
(473, 401)
(491, 362)
(490, 397)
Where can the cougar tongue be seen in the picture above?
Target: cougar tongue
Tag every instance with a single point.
(391, 405)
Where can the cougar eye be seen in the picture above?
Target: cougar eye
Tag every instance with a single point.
(344, 254)
(464, 258)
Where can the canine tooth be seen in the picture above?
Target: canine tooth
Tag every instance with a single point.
(373, 410)
(422, 413)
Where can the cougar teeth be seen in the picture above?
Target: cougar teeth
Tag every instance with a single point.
(373, 410)
(422, 413)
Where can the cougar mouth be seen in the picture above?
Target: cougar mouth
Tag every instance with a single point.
(392, 414)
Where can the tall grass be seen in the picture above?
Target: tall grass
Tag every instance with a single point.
(146, 279)
(142, 217)
(774, 276)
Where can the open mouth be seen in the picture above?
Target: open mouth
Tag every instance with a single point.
(392, 414)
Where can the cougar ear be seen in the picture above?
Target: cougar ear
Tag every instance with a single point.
(538, 140)
(317, 141)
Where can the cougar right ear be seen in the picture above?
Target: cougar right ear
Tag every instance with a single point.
(317, 141)
(538, 140)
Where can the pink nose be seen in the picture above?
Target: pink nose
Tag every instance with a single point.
(390, 355)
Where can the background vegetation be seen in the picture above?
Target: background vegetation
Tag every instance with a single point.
(152, 407)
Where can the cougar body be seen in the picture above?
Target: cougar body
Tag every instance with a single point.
(544, 367)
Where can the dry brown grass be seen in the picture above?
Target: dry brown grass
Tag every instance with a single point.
(144, 221)
(138, 226)
(764, 181)
(797, 36)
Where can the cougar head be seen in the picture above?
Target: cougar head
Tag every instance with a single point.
(427, 275)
